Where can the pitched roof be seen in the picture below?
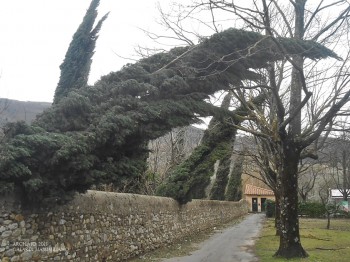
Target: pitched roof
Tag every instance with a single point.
(254, 190)
(338, 193)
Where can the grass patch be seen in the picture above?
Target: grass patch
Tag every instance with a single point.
(321, 244)
(185, 246)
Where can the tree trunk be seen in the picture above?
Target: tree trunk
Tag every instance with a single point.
(290, 245)
(344, 167)
(328, 220)
(277, 215)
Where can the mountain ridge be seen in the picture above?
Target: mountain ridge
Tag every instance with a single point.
(14, 110)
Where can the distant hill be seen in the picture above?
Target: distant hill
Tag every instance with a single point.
(13, 110)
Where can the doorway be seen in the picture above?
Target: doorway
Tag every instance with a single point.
(263, 204)
(254, 204)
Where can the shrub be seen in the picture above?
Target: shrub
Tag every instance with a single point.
(270, 208)
(312, 209)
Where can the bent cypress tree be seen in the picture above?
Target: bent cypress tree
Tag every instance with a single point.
(217, 192)
(75, 68)
(191, 178)
(96, 134)
(234, 186)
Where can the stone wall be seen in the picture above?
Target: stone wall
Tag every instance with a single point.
(101, 226)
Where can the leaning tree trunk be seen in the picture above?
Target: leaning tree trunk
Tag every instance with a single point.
(290, 245)
(217, 192)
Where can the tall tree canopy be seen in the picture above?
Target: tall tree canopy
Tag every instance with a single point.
(96, 134)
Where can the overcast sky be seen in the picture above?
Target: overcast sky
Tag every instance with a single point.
(35, 36)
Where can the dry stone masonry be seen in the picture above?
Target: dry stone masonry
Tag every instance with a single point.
(104, 226)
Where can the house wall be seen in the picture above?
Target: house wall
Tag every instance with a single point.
(104, 226)
(249, 199)
(343, 205)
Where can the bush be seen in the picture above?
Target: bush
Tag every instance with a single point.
(311, 209)
(270, 208)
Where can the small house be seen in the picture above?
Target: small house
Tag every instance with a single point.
(257, 196)
(337, 197)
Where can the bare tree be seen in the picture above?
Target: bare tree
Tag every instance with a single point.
(282, 125)
(170, 150)
(307, 180)
(339, 162)
(304, 97)
(325, 195)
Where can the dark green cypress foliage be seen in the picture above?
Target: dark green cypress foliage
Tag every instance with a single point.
(75, 68)
(190, 179)
(218, 190)
(234, 186)
(98, 134)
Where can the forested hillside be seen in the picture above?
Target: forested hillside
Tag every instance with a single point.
(14, 110)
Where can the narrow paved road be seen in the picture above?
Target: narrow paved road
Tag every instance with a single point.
(233, 244)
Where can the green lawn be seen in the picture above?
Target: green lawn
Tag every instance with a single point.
(321, 244)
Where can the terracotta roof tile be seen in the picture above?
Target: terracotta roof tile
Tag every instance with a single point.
(254, 190)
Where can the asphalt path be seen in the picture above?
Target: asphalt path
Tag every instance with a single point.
(233, 244)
